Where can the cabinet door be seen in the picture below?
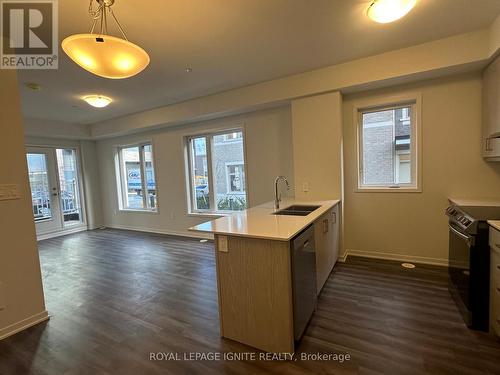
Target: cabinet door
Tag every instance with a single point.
(320, 243)
(335, 234)
(491, 110)
(326, 242)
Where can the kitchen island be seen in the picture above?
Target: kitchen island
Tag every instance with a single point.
(265, 284)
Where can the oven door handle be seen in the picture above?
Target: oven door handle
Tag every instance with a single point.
(468, 239)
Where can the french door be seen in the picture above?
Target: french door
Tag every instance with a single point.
(55, 189)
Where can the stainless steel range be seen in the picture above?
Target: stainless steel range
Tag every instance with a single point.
(469, 260)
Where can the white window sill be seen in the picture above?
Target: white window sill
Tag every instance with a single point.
(380, 189)
(131, 210)
(212, 215)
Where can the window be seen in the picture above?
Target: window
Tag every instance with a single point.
(137, 177)
(217, 180)
(388, 147)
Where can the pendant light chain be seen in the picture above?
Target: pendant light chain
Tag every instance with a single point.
(99, 14)
(118, 23)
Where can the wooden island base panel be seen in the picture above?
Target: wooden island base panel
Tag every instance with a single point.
(256, 271)
(255, 292)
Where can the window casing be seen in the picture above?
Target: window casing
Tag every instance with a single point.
(216, 172)
(137, 180)
(389, 146)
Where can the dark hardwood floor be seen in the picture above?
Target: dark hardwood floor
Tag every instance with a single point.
(117, 296)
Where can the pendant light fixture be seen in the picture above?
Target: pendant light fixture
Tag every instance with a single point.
(102, 54)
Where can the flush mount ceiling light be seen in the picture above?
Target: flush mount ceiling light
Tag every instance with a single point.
(385, 11)
(98, 101)
(102, 54)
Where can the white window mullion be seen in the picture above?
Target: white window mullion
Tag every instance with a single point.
(191, 155)
(142, 169)
(211, 181)
(123, 177)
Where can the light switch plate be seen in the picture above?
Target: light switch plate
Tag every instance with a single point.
(9, 192)
(305, 187)
(222, 244)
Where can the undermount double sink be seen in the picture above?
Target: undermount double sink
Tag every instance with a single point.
(296, 210)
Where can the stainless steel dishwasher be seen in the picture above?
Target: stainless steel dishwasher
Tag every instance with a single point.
(304, 279)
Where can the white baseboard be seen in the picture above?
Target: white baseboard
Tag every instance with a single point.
(24, 324)
(64, 232)
(392, 256)
(342, 258)
(180, 233)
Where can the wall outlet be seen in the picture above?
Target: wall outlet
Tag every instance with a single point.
(305, 187)
(172, 215)
(222, 244)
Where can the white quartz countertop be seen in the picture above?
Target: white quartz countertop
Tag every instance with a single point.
(259, 222)
(495, 224)
(466, 202)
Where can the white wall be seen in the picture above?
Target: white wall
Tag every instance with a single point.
(440, 57)
(268, 139)
(91, 184)
(43, 128)
(21, 293)
(413, 225)
(317, 146)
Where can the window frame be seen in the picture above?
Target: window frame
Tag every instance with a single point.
(122, 180)
(386, 103)
(209, 135)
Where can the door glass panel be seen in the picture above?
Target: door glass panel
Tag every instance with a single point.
(68, 182)
(39, 183)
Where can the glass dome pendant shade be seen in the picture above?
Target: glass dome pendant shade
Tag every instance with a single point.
(102, 54)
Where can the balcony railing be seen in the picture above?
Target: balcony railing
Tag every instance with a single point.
(41, 200)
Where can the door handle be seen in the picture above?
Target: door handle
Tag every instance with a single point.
(469, 240)
(325, 226)
(306, 248)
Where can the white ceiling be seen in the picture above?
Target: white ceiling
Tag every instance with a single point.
(231, 43)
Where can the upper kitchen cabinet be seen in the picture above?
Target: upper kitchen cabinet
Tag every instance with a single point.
(491, 111)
